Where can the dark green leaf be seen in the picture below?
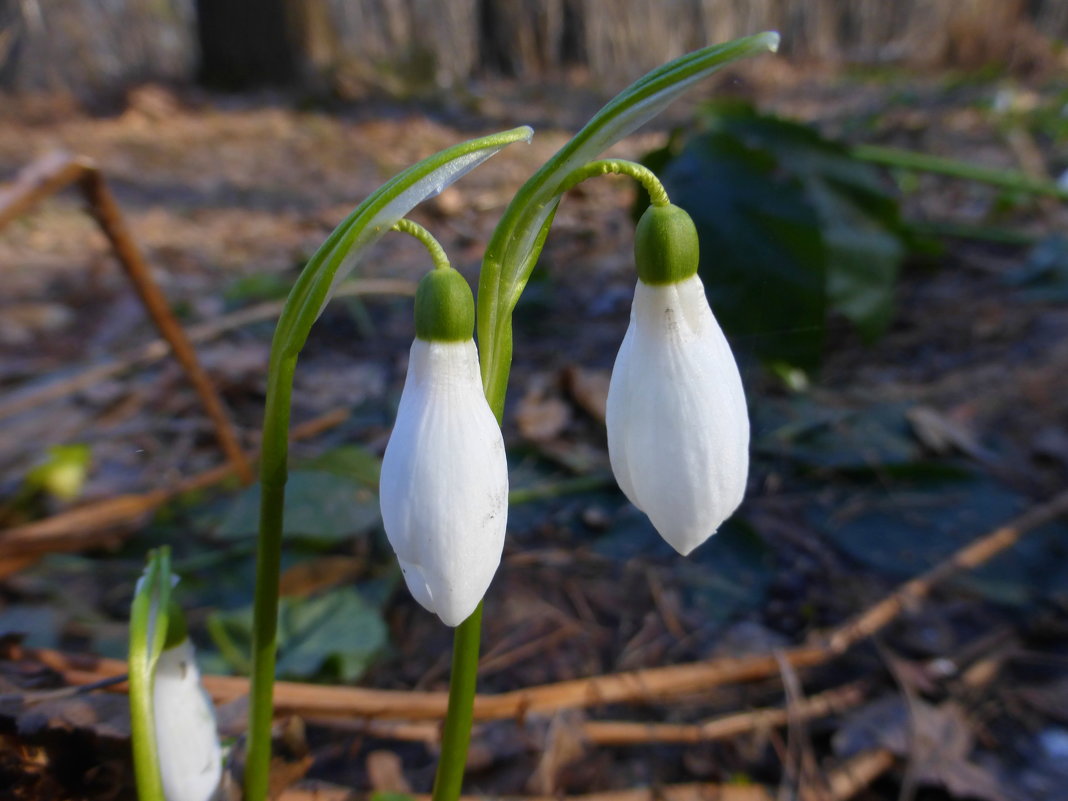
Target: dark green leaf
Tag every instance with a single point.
(320, 506)
(791, 226)
(909, 528)
(830, 438)
(335, 635)
(350, 461)
(762, 253)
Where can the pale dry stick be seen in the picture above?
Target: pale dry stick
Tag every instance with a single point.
(308, 700)
(625, 733)
(33, 396)
(844, 782)
(619, 733)
(798, 760)
(316, 701)
(59, 170)
(95, 523)
(856, 774)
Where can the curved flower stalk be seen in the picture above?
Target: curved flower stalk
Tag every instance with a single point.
(342, 250)
(678, 428)
(444, 485)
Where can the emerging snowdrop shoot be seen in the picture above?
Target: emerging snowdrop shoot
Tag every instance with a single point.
(190, 759)
(176, 749)
(444, 486)
(678, 428)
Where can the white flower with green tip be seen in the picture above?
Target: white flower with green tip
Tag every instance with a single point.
(444, 485)
(678, 428)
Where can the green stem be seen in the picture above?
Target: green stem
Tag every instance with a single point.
(437, 252)
(456, 735)
(657, 194)
(273, 474)
(923, 162)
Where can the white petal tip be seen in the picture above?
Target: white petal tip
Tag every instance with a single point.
(771, 40)
(686, 547)
(453, 618)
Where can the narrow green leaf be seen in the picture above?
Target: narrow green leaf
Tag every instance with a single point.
(148, 632)
(348, 244)
(520, 235)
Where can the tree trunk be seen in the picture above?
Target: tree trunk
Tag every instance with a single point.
(246, 44)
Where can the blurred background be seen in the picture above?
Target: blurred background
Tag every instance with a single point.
(882, 208)
(87, 47)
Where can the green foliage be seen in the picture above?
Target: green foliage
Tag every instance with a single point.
(908, 530)
(257, 287)
(351, 461)
(335, 635)
(792, 228)
(62, 475)
(815, 437)
(320, 506)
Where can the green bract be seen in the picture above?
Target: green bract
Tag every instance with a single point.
(176, 630)
(665, 245)
(444, 307)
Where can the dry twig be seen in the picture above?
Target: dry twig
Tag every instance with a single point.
(971, 556)
(33, 396)
(59, 170)
(101, 522)
(722, 728)
(315, 701)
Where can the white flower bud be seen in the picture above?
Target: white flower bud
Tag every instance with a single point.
(190, 759)
(444, 486)
(678, 428)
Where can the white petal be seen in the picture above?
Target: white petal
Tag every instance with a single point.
(187, 742)
(678, 428)
(444, 486)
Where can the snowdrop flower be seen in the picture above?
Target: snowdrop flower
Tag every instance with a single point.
(444, 486)
(190, 759)
(678, 429)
